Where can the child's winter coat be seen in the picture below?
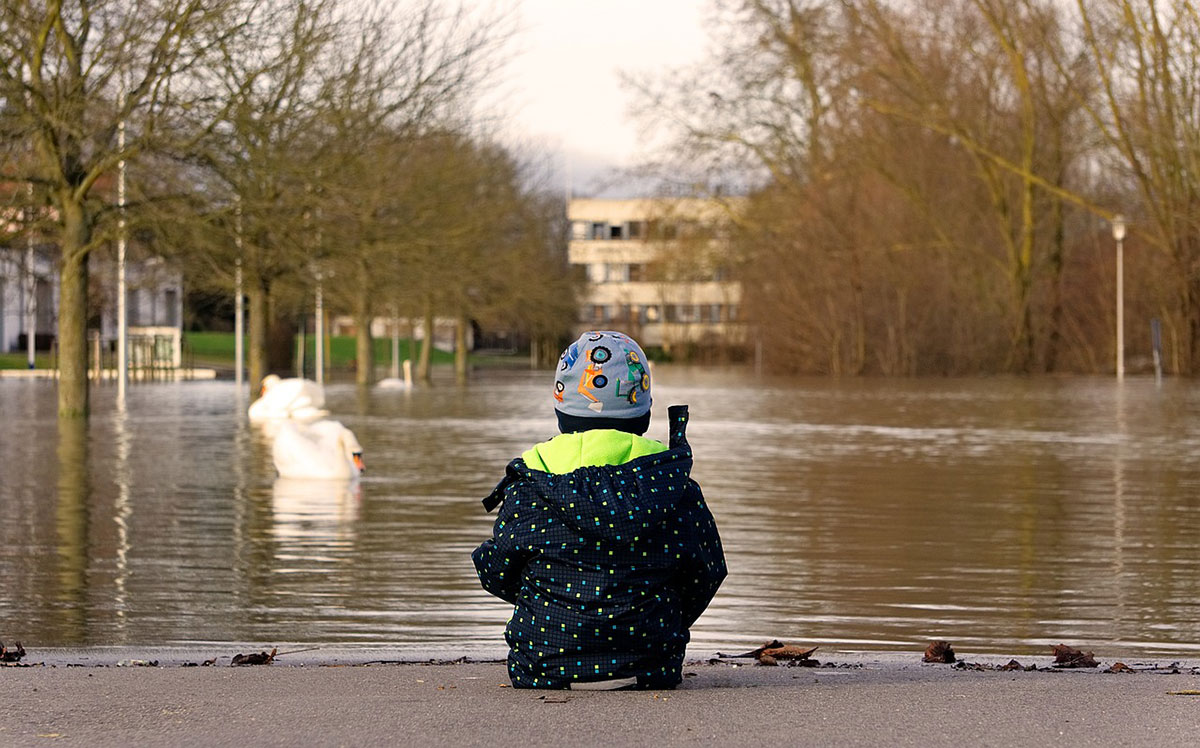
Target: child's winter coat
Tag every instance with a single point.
(607, 565)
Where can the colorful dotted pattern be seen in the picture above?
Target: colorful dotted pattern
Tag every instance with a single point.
(607, 567)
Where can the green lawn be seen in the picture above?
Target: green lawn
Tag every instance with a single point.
(21, 360)
(217, 348)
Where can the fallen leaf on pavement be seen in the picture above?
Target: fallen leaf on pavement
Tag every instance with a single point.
(773, 644)
(939, 651)
(255, 658)
(1065, 656)
(788, 652)
(11, 655)
(773, 651)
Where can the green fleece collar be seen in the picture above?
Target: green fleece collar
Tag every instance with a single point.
(566, 453)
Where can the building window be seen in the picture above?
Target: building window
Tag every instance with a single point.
(601, 314)
(637, 229)
(662, 230)
(683, 313)
(171, 304)
(616, 231)
(599, 230)
(731, 312)
(710, 313)
(133, 307)
(637, 273)
(608, 272)
(579, 229)
(649, 313)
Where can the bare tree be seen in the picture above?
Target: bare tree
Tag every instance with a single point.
(923, 172)
(261, 155)
(401, 84)
(70, 71)
(1147, 59)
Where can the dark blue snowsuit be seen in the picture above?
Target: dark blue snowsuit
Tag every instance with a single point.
(607, 567)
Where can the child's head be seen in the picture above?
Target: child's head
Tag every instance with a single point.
(602, 382)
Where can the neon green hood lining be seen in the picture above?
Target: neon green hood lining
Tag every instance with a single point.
(566, 453)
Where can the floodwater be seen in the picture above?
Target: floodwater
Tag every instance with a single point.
(1003, 514)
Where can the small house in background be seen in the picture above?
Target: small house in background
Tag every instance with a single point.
(29, 291)
(154, 309)
(28, 299)
(659, 268)
(154, 298)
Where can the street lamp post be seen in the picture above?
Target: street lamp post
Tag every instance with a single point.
(1118, 231)
(122, 300)
(239, 314)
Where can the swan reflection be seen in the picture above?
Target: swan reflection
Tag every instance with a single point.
(313, 514)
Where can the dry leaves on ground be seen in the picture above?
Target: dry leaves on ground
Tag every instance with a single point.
(939, 651)
(255, 658)
(1065, 657)
(11, 655)
(774, 651)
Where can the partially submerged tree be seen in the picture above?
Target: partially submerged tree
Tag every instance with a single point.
(262, 156)
(927, 175)
(399, 89)
(1147, 61)
(70, 72)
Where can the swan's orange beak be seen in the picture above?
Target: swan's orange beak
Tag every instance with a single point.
(358, 462)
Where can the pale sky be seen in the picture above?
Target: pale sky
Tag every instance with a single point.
(563, 88)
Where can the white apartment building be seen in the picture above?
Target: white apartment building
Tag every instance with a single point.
(657, 268)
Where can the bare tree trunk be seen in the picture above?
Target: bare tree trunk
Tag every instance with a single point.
(364, 351)
(1056, 261)
(328, 342)
(460, 348)
(256, 349)
(426, 345)
(1191, 312)
(71, 519)
(72, 313)
(281, 342)
(860, 316)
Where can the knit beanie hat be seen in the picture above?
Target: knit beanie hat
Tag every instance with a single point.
(603, 382)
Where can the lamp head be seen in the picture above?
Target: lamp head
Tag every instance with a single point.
(1118, 227)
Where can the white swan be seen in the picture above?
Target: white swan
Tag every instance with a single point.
(294, 399)
(396, 383)
(325, 450)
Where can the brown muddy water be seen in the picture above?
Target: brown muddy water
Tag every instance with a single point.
(1004, 515)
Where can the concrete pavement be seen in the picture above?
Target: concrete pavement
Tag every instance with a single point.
(333, 700)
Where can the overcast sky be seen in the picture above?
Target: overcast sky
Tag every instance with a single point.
(562, 87)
